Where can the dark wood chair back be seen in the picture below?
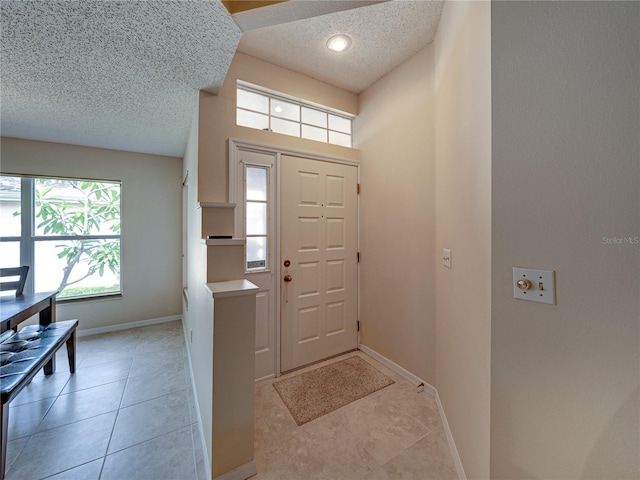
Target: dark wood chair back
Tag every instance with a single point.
(17, 285)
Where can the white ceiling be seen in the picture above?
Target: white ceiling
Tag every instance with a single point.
(383, 36)
(125, 74)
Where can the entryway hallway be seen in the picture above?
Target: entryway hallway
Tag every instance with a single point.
(128, 413)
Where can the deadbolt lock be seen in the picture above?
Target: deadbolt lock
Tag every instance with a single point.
(287, 263)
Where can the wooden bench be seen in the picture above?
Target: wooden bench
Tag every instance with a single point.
(22, 355)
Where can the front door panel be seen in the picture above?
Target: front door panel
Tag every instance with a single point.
(319, 238)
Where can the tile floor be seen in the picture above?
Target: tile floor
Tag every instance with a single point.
(128, 414)
(392, 434)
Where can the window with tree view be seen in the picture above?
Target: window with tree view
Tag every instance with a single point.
(66, 230)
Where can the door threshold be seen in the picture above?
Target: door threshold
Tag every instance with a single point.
(318, 361)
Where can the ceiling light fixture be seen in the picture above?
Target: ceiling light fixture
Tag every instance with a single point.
(338, 43)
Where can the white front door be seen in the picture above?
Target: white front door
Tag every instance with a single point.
(318, 274)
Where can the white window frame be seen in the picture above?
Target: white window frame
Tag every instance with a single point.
(237, 196)
(28, 237)
(273, 96)
(269, 207)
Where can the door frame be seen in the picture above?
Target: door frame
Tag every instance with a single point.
(234, 146)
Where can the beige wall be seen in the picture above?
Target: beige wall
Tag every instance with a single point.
(424, 134)
(566, 123)
(463, 224)
(197, 313)
(206, 161)
(218, 120)
(150, 220)
(395, 135)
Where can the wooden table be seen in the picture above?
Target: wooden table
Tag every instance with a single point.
(14, 310)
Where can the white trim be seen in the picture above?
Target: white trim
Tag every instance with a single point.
(241, 473)
(203, 443)
(410, 377)
(428, 389)
(126, 326)
(270, 148)
(452, 444)
(234, 146)
(233, 187)
(232, 288)
(358, 262)
(268, 159)
(266, 377)
(278, 261)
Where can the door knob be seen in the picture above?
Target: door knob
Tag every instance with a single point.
(287, 278)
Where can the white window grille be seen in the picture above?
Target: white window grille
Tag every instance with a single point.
(264, 109)
(66, 230)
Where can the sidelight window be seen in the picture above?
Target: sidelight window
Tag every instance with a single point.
(256, 217)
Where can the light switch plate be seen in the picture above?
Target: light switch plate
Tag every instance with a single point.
(446, 257)
(543, 285)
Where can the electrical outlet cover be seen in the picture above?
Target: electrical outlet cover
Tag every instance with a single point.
(543, 283)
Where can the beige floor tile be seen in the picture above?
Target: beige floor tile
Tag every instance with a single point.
(421, 406)
(273, 422)
(377, 474)
(324, 449)
(383, 425)
(429, 458)
(271, 465)
(394, 433)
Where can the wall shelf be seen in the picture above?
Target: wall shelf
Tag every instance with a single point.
(232, 288)
(216, 205)
(217, 218)
(223, 241)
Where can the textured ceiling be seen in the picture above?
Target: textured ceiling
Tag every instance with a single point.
(383, 36)
(125, 74)
(121, 75)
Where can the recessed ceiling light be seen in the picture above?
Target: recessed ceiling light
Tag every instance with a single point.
(338, 43)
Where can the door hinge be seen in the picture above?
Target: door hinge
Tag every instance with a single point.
(358, 257)
(358, 189)
(358, 325)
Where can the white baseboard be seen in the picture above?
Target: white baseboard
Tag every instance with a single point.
(429, 389)
(406, 374)
(241, 473)
(266, 377)
(452, 444)
(125, 326)
(203, 443)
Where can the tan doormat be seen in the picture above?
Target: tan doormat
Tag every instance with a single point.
(318, 392)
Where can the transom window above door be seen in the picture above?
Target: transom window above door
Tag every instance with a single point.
(264, 109)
